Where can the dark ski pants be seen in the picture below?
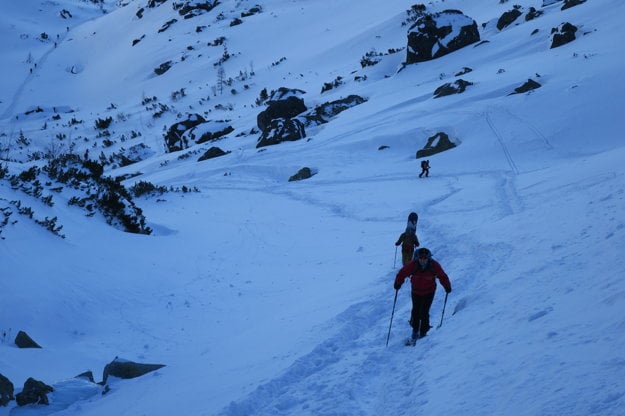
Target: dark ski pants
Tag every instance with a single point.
(406, 257)
(425, 172)
(420, 316)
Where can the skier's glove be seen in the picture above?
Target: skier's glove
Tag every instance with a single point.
(447, 290)
(397, 286)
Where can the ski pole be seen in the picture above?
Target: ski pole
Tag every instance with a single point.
(395, 260)
(442, 314)
(392, 314)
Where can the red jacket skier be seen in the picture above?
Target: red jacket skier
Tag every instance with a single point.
(423, 272)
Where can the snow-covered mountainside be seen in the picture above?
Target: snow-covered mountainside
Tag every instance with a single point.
(216, 186)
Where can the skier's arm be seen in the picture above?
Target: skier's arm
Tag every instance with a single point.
(442, 277)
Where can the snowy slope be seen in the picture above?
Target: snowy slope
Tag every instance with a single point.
(268, 297)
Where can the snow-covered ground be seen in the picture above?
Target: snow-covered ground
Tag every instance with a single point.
(268, 297)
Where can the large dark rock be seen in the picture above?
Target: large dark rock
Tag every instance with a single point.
(507, 18)
(457, 87)
(303, 173)
(436, 35)
(282, 130)
(571, 3)
(190, 9)
(285, 107)
(211, 153)
(532, 14)
(6, 390)
(563, 34)
(22, 340)
(127, 369)
(529, 85)
(436, 144)
(175, 137)
(34, 391)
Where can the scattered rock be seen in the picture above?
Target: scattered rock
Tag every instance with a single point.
(175, 138)
(127, 369)
(34, 391)
(507, 18)
(527, 86)
(457, 87)
(571, 3)
(282, 130)
(211, 153)
(435, 35)
(303, 173)
(86, 375)
(22, 340)
(563, 34)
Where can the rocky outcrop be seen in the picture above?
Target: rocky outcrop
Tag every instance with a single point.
(563, 34)
(571, 3)
(457, 87)
(284, 103)
(211, 153)
(529, 85)
(507, 18)
(175, 137)
(34, 391)
(127, 369)
(23, 340)
(326, 111)
(436, 144)
(438, 34)
(282, 130)
(277, 122)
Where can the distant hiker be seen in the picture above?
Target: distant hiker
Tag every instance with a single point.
(425, 168)
(408, 239)
(423, 272)
(87, 154)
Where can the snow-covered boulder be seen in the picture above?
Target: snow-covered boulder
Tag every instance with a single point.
(284, 103)
(175, 139)
(436, 35)
(324, 112)
(282, 130)
(210, 131)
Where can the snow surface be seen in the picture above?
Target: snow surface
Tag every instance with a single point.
(268, 297)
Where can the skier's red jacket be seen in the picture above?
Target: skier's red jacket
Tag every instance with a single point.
(423, 279)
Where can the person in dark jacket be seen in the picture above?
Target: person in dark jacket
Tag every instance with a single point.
(423, 272)
(425, 168)
(408, 239)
